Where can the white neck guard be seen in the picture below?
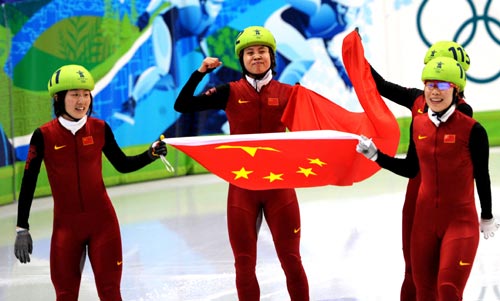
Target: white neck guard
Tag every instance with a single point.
(72, 126)
(437, 119)
(259, 83)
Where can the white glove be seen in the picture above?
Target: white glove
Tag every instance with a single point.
(489, 227)
(367, 148)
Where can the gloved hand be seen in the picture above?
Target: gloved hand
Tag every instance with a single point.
(157, 149)
(143, 20)
(23, 246)
(367, 148)
(489, 227)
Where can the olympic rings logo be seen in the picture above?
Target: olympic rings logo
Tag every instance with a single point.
(473, 21)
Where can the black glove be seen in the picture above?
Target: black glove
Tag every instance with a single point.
(157, 149)
(143, 20)
(23, 246)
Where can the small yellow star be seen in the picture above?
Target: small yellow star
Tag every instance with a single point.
(273, 177)
(306, 171)
(316, 161)
(242, 173)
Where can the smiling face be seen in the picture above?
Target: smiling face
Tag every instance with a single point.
(257, 59)
(76, 103)
(438, 95)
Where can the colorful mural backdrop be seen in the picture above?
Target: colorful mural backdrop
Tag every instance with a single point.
(141, 53)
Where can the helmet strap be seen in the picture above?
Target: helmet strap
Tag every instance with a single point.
(69, 115)
(456, 96)
(257, 76)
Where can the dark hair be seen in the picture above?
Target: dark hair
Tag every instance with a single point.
(465, 108)
(273, 62)
(58, 103)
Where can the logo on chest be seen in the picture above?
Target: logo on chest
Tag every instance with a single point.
(58, 147)
(88, 140)
(449, 138)
(273, 101)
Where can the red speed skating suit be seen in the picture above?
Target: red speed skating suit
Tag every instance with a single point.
(413, 99)
(84, 217)
(249, 111)
(445, 235)
(446, 225)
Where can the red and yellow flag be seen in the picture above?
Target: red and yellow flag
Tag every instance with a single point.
(275, 160)
(321, 147)
(307, 110)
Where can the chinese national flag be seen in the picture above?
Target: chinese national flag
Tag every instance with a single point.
(321, 147)
(307, 110)
(275, 160)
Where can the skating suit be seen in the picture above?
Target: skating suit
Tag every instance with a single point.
(451, 157)
(414, 100)
(84, 217)
(249, 111)
(445, 233)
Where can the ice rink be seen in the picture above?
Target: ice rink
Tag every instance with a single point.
(176, 246)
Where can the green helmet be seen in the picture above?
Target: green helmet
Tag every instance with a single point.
(254, 35)
(70, 77)
(448, 49)
(445, 69)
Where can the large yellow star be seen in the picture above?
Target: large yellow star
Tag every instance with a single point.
(242, 173)
(316, 161)
(251, 150)
(273, 177)
(306, 171)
